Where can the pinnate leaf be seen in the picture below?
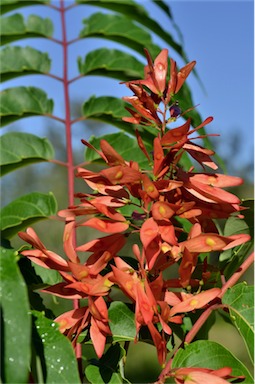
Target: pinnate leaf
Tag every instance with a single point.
(240, 302)
(16, 327)
(209, 354)
(20, 102)
(17, 61)
(55, 351)
(26, 210)
(111, 63)
(120, 29)
(19, 149)
(15, 28)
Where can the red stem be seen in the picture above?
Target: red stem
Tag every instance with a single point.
(70, 162)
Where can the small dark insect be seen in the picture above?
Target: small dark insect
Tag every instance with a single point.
(175, 110)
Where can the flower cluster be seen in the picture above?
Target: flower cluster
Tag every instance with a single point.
(162, 201)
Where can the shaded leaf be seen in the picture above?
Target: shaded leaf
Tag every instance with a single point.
(19, 149)
(121, 322)
(10, 5)
(17, 61)
(26, 210)
(208, 354)
(106, 369)
(20, 102)
(15, 28)
(125, 145)
(16, 321)
(110, 110)
(240, 301)
(111, 63)
(120, 29)
(233, 226)
(34, 281)
(55, 351)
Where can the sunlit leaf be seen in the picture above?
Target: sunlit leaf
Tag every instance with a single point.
(138, 13)
(240, 301)
(110, 110)
(15, 28)
(120, 29)
(20, 102)
(209, 354)
(16, 326)
(19, 149)
(55, 351)
(17, 61)
(26, 210)
(111, 63)
(125, 145)
(121, 322)
(10, 5)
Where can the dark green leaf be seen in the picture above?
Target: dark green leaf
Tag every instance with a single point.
(26, 210)
(14, 27)
(106, 369)
(121, 322)
(240, 301)
(111, 63)
(17, 61)
(20, 102)
(111, 110)
(125, 145)
(16, 326)
(208, 354)
(10, 5)
(19, 149)
(120, 29)
(55, 351)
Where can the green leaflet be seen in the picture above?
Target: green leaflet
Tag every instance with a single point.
(16, 327)
(138, 13)
(121, 322)
(20, 102)
(26, 210)
(18, 61)
(111, 63)
(55, 352)
(19, 149)
(15, 28)
(111, 110)
(120, 29)
(240, 301)
(209, 354)
(10, 5)
(125, 145)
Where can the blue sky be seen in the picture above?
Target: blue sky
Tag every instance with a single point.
(217, 34)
